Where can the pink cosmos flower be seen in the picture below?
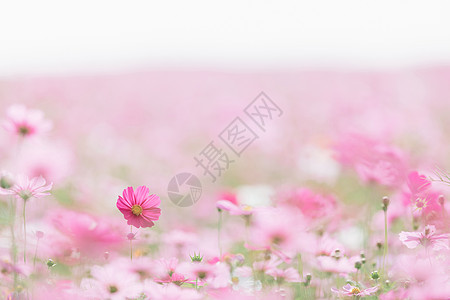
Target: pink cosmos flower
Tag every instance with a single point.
(229, 202)
(420, 195)
(373, 160)
(169, 292)
(350, 290)
(24, 122)
(283, 229)
(25, 188)
(90, 234)
(311, 204)
(427, 237)
(289, 274)
(111, 282)
(139, 208)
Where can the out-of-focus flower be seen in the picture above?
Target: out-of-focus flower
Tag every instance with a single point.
(25, 188)
(426, 238)
(229, 202)
(242, 280)
(398, 294)
(89, 234)
(288, 275)
(340, 265)
(281, 230)
(374, 161)
(420, 194)
(25, 122)
(311, 204)
(169, 292)
(350, 290)
(216, 276)
(110, 282)
(139, 208)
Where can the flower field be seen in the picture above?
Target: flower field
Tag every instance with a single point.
(226, 185)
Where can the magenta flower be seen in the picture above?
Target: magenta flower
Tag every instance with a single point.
(139, 208)
(25, 188)
(427, 237)
(350, 290)
(22, 121)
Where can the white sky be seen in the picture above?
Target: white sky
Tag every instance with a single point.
(39, 37)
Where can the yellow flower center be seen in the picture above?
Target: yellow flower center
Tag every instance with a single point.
(247, 208)
(355, 291)
(136, 210)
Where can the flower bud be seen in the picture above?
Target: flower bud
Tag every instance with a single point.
(374, 275)
(50, 263)
(385, 204)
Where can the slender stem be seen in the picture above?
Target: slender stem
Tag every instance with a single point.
(35, 253)
(24, 233)
(196, 283)
(131, 244)
(13, 236)
(300, 265)
(219, 229)
(385, 252)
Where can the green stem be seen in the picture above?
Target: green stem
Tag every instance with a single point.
(219, 229)
(13, 236)
(24, 234)
(131, 245)
(385, 252)
(35, 253)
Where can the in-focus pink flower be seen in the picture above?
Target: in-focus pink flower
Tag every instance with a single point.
(139, 208)
(25, 188)
(350, 290)
(427, 237)
(25, 122)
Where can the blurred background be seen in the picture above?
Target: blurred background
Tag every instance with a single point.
(135, 91)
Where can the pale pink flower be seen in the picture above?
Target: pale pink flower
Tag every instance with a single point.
(25, 188)
(311, 204)
(417, 183)
(350, 290)
(25, 122)
(267, 265)
(289, 274)
(91, 235)
(426, 238)
(340, 265)
(216, 276)
(111, 282)
(169, 292)
(281, 229)
(229, 202)
(373, 160)
(420, 194)
(139, 208)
